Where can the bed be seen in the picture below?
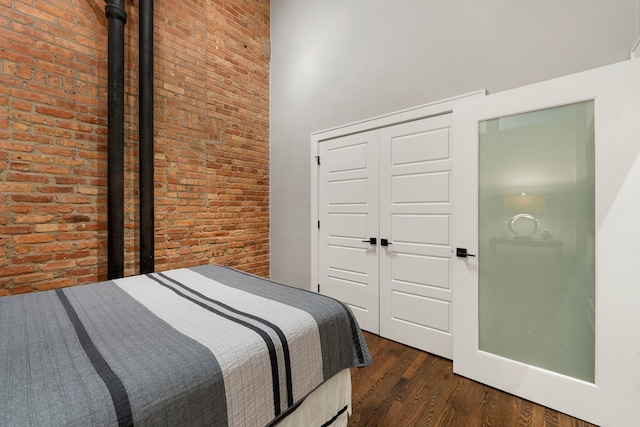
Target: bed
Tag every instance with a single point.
(201, 346)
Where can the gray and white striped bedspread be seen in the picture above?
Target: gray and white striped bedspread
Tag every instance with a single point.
(203, 346)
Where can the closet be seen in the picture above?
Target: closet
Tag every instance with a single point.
(541, 185)
(384, 229)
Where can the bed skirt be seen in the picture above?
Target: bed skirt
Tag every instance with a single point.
(328, 406)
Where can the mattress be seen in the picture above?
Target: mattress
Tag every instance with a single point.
(201, 346)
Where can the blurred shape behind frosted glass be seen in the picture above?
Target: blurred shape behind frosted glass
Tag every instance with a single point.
(536, 239)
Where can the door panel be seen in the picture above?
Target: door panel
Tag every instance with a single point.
(348, 258)
(347, 224)
(419, 310)
(348, 212)
(422, 147)
(350, 292)
(415, 206)
(348, 192)
(542, 311)
(416, 269)
(348, 158)
(419, 187)
(412, 228)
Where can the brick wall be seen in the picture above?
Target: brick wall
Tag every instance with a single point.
(211, 139)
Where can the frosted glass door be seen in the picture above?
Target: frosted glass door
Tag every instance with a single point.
(545, 194)
(536, 239)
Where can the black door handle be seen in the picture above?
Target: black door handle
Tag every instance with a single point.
(385, 242)
(371, 241)
(462, 253)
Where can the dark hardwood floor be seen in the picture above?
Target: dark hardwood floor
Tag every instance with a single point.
(407, 387)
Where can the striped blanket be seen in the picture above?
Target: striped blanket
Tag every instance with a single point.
(203, 346)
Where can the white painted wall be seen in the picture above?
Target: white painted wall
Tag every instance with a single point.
(338, 61)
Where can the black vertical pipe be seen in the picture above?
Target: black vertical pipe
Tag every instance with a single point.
(117, 18)
(146, 137)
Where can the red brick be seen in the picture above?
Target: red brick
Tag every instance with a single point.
(23, 177)
(73, 236)
(33, 277)
(53, 208)
(13, 271)
(33, 238)
(15, 229)
(53, 247)
(57, 151)
(16, 146)
(21, 290)
(55, 189)
(11, 187)
(87, 261)
(32, 219)
(32, 158)
(55, 284)
(58, 265)
(20, 209)
(20, 166)
(87, 279)
(31, 96)
(49, 228)
(73, 255)
(31, 198)
(54, 112)
(54, 170)
(31, 259)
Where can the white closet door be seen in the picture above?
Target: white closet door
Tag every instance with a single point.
(415, 218)
(348, 212)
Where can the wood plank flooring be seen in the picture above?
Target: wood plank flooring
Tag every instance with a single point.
(408, 387)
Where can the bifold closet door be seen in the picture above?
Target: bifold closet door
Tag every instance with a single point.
(348, 212)
(415, 219)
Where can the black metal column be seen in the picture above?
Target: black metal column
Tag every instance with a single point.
(146, 137)
(117, 18)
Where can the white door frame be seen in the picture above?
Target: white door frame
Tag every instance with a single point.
(613, 399)
(416, 113)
